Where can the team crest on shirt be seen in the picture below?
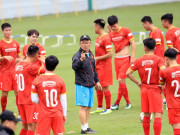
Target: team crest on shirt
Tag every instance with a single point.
(14, 45)
(147, 62)
(19, 68)
(175, 74)
(177, 32)
(48, 84)
(96, 44)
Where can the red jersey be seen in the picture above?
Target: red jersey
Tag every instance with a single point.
(158, 36)
(102, 46)
(26, 72)
(173, 37)
(42, 51)
(8, 49)
(120, 38)
(171, 76)
(49, 87)
(148, 67)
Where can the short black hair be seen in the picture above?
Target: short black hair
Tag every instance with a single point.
(149, 43)
(170, 53)
(32, 50)
(5, 25)
(147, 19)
(32, 31)
(100, 22)
(168, 17)
(51, 62)
(112, 20)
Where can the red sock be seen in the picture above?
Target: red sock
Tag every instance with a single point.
(146, 125)
(126, 95)
(30, 132)
(100, 98)
(17, 103)
(23, 132)
(3, 103)
(108, 99)
(120, 93)
(176, 131)
(157, 126)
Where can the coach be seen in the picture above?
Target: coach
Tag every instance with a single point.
(85, 79)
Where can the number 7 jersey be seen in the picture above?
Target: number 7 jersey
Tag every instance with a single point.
(148, 67)
(49, 87)
(171, 76)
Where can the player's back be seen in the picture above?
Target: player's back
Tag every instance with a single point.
(148, 67)
(172, 79)
(173, 37)
(8, 49)
(49, 88)
(25, 73)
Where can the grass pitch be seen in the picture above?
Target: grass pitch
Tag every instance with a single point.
(121, 122)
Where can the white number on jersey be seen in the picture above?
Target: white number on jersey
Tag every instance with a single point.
(52, 100)
(20, 82)
(177, 87)
(149, 74)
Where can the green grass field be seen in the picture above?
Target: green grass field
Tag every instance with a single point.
(121, 122)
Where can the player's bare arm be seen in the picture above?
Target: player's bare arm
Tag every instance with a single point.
(9, 58)
(106, 56)
(18, 59)
(133, 46)
(132, 78)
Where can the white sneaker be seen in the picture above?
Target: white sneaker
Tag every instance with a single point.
(128, 106)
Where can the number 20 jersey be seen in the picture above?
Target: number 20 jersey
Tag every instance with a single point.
(25, 73)
(148, 67)
(49, 87)
(171, 76)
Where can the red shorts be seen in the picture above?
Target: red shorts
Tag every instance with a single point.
(105, 77)
(45, 124)
(35, 113)
(174, 115)
(121, 66)
(151, 99)
(27, 112)
(7, 82)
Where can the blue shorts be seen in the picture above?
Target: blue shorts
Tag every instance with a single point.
(84, 96)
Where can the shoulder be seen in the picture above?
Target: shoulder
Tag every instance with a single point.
(14, 41)
(77, 54)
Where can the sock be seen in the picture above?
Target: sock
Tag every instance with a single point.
(87, 126)
(23, 132)
(176, 131)
(17, 104)
(83, 127)
(120, 93)
(108, 99)
(99, 98)
(157, 126)
(3, 103)
(146, 125)
(126, 95)
(30, 132)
